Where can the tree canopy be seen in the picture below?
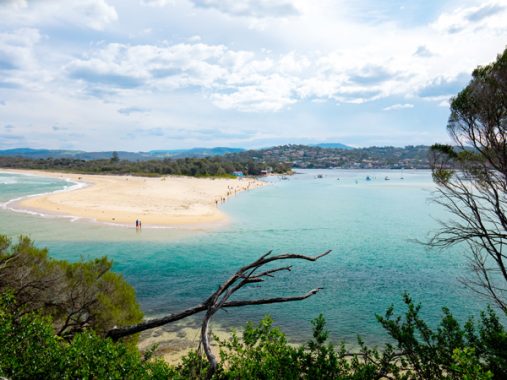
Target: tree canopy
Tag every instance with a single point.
(77, 296)
(195, 167)
(472, 179)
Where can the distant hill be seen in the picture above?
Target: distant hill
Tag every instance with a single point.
(333, 146)
(194, 152)
(38, 153)
(325, 155)
(123, 155)
(305, 156)
(75, 154)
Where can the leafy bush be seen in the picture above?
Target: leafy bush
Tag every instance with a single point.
(441, 353)
(78, 295)
(29, 349)
(262, 353)
(474, 351)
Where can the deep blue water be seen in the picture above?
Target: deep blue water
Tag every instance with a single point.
(371, 226)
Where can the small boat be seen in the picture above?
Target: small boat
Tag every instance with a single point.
(368, 178)
(387, 178)
(319, 175)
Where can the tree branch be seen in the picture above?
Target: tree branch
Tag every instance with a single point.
(220, 299)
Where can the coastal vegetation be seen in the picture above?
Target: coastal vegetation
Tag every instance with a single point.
(224, 166)
(76, 296)
(472, 183)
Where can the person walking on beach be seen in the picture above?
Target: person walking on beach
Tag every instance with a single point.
(137, 224)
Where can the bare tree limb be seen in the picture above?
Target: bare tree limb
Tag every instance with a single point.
(220, 299)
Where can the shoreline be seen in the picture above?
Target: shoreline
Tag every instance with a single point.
(120, 200)
(175, 340)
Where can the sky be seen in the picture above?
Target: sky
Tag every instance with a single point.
(139, 75)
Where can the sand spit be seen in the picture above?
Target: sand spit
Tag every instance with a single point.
(161, 201)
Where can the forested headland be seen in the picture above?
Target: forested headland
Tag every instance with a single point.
(224, 166)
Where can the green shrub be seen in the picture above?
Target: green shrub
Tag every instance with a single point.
(29, 349)
(77, 296)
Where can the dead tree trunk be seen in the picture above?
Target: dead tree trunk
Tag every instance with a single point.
(220, 299)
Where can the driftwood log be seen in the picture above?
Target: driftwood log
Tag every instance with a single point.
(249, 274)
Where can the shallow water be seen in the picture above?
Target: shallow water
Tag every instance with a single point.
(371, 226)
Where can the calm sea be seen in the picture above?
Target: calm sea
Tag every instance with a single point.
(371, 226)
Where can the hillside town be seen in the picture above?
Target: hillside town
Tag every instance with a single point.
(304, 156)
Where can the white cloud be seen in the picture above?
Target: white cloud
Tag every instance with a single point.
(250, 8)
(444, 103)
(22, 36)
(62, 58)
(492, 13)
(19, 66)
(399, 106)
(94, 14)
(272, 93)
(423, 51)
(355, 71)
(132, 110)
(16, 4)
(255, 82)
(156, 3)
(240, 80)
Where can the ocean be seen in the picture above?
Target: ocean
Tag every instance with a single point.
(372, 228)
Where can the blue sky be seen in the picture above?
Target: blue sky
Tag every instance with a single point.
(163, 74)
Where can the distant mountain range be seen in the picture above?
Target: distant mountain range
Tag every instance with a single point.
(137, 156)
(123, 155)
(318, 156)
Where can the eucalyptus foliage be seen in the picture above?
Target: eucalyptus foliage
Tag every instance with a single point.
(77, 296)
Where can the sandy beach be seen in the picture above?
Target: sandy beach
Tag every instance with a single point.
(161, 201)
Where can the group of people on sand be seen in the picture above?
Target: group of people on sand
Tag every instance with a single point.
(138, 224)
(232, 190)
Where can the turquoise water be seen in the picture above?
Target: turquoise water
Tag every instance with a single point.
(371, 226)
